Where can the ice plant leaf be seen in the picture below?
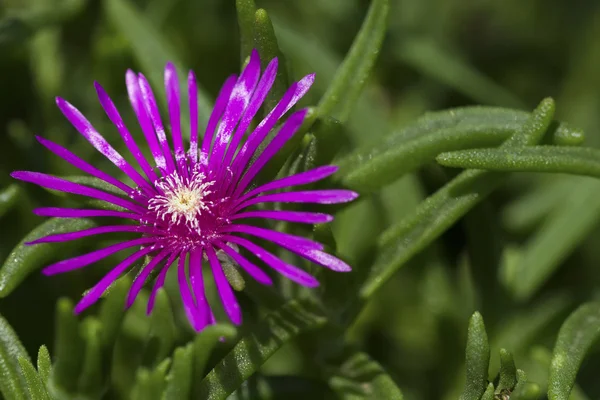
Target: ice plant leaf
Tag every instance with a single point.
(204, 343)
(13, 384)
(282, 387)
(111, 311)
(91, 380)
(162, 326)
(150, 384)
(373, 167)
(25, 259)
(352, 75)
(69, 348)
(8, 198)
(508, 371)
(246, 10)
(179, 378)
(575, 338)
(35, 387)
(438, 212)
(254, 349)
(525, 390)
(552, 159)
(427, 57)
(477, 359)
(44, 364)
(361, 377)
(152, 51)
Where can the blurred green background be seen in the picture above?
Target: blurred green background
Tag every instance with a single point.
(437, 54)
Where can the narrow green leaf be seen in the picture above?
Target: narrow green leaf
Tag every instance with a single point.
(361, 378)
(525, 390)
(8, 198)
(508, 371)
(372, 167)
(265, 42)
(35, 387)
(179, 379)
(68, 348)
(427, 57)
(489, 392)
(111, 311)
(17, 27)
(153, 52)
(91, 379)
(441, 210)
(553, 159)
(162, 326)
(575, 338)
(24, 259)
(352, 75)
(150, 384)
(477, 359)
(206, 341)
(13, 385)
(44, 365)
(246, 10)
(253, 350)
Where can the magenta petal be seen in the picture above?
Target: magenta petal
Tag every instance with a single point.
(90, 258)
(321, 258)
(96, 292)
(230, 304)
(288, 129)
(215, 116)
(82, 213)
(328, 196)
(64, 237)
(139, 280)
(193, 102)
(274, 236)
(197, 282)
(87, 130)
(115, 117)
(260, 94)
(63, 185)
(302, 178)
(258, 274)
(289, 271)
(160, 282)
(173, 100)
(136, 99)
(82, 165)
(186, 296)
(290, 216)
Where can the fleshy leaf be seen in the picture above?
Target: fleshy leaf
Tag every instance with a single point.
(477, 359)
(35, 387)
(91, 379)
(254, 349)
(372, 167)
(508, 371)
(179, 379)
(282, 387)
(44, 364)
(575, 338)
(162, 326)
(24, 259)
(150, 384)
(204, 343)
(8, 198)
(246, 10)
(69, 348)
(13, 384)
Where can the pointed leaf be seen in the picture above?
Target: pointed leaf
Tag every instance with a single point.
(23, 260)
(35, 387)
(91, 380)
(246, 10)
(477, 359)
(575, 338)
(44, 364)
(162, 326)
(150, 384)
(508, 371)
(8, 198)
(205, 342)
(179, 379)
(253, 350)
(13, 385)
(68, 348)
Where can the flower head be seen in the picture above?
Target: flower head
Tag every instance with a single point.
(193, 205)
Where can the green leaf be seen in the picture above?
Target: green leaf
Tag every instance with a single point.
(489, 392)
(162, 326)
(564, 160)
(352, 75)
(13, 385)
(525, 390)
(370, 168)
(8, 198)
(35, 387)
(265, 43)
(477, 359)
(253, 350)
(150, 384)
(427, 57)
(44, 365)
(68, 348)
(361, 378)
(91, 379)
(19, 26)
(441, 210)
(24, 259)
(575, 338)
(282, 387)
(153, 52)
(179, 379)
(111, 311)
(205, 342)
(246, 10)
(508, 371)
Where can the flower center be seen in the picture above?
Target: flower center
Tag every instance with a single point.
(183, 200)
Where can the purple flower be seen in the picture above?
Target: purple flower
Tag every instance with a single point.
(194, 204)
